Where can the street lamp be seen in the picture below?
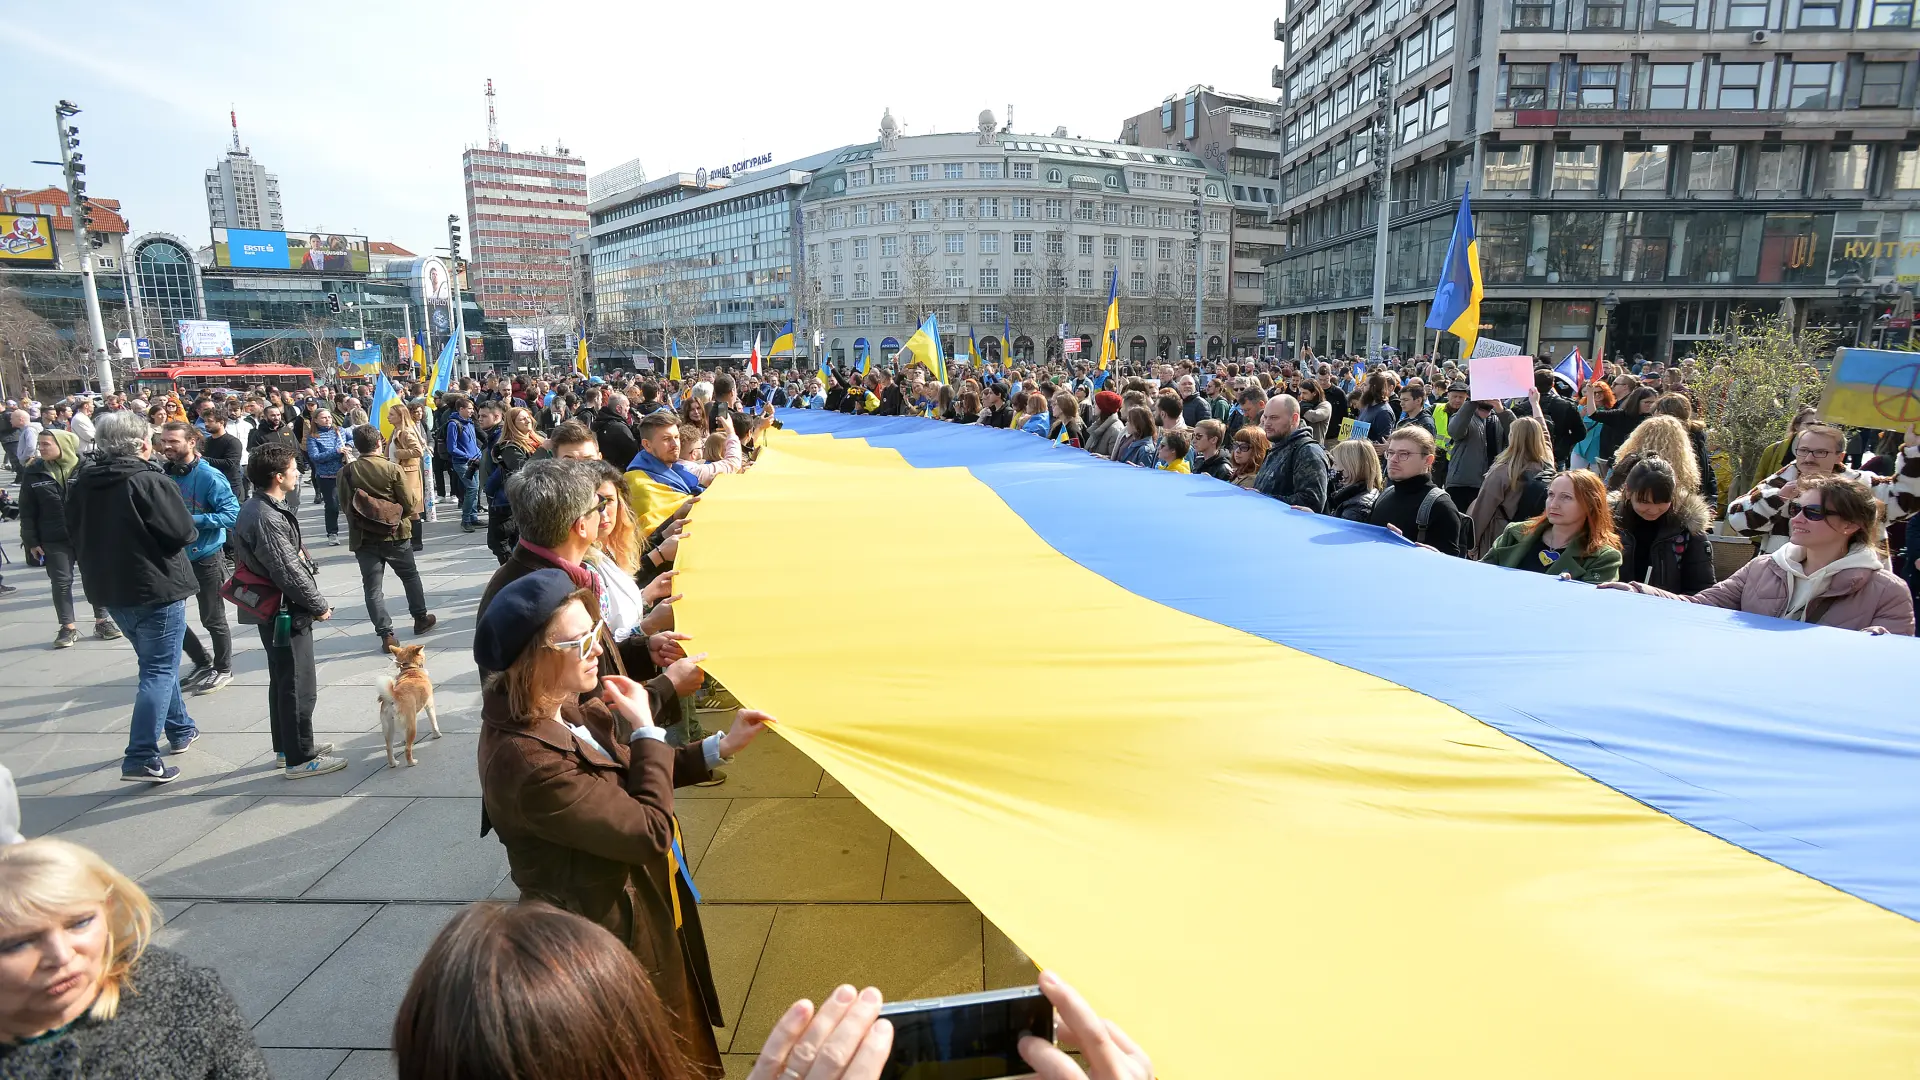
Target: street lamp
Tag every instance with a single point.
(1853, 287)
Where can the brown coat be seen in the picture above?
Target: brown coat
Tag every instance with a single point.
(406, 451)
(591, 833)
(381, 479)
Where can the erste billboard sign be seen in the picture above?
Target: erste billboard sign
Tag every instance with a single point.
(267, 249)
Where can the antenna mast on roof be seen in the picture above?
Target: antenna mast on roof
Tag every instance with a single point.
(493, 123)
(234, 119)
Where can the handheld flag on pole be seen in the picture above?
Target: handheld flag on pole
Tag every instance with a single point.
(753, 358)
(1456, 306)
(925, 347)
(580, 358)
(1110, 334)
(865, 352)
(673, 360)
(825, 363)
(1576, 369)
(442, 371)
(1006, 342)
(784, 342)
(384, 396)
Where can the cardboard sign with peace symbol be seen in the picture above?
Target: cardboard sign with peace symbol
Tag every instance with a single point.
(1873, 388)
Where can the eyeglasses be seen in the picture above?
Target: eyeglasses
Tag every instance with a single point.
(1399, 455)
(1810, 512)
(605, 501)
(1817, 455)
(584, 644)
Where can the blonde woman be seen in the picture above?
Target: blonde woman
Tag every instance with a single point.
(1515, 487)
(1658, 436)
(1357, 470)
(407, 450)
(518, 442)
(81, 986)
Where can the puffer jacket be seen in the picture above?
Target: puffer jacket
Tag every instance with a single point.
(130, 531)
(266, 540)
(1353, 502)
(1295, 471)
(1853, 593)
(1679, 559)
(43, 507)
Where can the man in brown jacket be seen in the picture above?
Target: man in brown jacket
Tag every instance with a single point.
(376, 545)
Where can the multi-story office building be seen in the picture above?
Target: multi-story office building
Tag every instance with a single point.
(1234, 134)
(1639, 168)
(990, 228)
(702, 261)
(523, 212)
(241, 193)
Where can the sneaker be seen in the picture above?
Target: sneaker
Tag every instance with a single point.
(213, 683)
(155, 773)
(465, 526)
(9, 590)
(106, 630)
(319, 766)
(199, 674)
(719, 777)
(424, 623)
(325, 748)
(179, 746)
(334, 540)
(66, 638)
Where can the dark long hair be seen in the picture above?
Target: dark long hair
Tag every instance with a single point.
(530, 992)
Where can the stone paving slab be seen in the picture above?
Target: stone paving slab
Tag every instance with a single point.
(432, 850)
(291, 939)
(279, 846)
(350, 999)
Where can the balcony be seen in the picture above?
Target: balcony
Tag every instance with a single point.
(1257, 144)
(1640, 118)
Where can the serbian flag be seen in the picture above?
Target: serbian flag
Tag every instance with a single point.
(1575, 368)
(753, 359)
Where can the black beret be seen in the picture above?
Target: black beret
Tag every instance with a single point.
(517, 614)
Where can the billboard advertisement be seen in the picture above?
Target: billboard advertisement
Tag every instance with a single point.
(26, 238)
(313, 252)
(528, 339)
(205, 338)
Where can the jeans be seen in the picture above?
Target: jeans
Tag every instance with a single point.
(330, 500)
(291, 693)
(466, 485)
(442, 466)
(420, 533)
(60, 574)
(374, 557)
(212, 572)
(155, 631)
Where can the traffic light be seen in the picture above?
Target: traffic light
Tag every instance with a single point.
(453, 236)
(333, 303)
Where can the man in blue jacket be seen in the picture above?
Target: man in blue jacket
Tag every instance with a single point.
(463, 451)
(214, 508)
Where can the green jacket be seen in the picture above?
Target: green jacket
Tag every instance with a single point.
(380, 478)
(1592, 567)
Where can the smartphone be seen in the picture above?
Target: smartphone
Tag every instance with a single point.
(966, 1036)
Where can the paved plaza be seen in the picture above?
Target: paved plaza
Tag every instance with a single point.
(315, 898)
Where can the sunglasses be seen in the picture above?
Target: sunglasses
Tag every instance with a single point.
(1811, 513)
(584, 644)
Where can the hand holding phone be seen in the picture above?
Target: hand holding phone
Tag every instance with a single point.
(844, 1040)
(1109, 1052)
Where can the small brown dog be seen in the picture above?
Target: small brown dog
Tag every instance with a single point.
(403, 696)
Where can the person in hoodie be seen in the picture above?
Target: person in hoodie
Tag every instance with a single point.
(1107, 432)
(327, 451)
(130, 532)
(1663, 530)
(211, 501)
(1831, 572)
(43, 530)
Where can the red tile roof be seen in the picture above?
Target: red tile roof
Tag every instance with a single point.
(105, 212)
(382, 247)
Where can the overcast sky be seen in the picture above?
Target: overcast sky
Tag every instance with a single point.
(362, 109)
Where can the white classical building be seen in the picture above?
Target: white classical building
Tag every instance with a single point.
(1009, 235)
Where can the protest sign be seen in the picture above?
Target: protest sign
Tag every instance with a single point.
(1873, 388)
(1491, 378)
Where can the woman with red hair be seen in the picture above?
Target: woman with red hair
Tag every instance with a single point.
(1574, 538)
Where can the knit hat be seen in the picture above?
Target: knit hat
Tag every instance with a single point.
(1107, 402)
(516, 616)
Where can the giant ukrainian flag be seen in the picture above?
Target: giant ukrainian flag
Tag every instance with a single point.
(1456, 305)
(1271, 835)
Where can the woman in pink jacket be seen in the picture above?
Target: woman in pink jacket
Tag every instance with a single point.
(1831, 571)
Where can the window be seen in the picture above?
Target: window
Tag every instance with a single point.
(1110, 247)
(834, 249)
(885, 174)
(1023, 279)
(1053, 176)
(1810, 85)
(953, 171)
(1217, 252)
(989, 277)
(956, 243)
(1137, 247)
(1746, 13)
(1670, 86)
(989, 312)
(1023, 243)
(1781, 169)
(1906, 171)
(1599, 86)
(889, 211)
(1085, 245)
(1188, 122)
(1056, 209)
(889, 247)
(921, 209)
(1644, 168)
(837, 220)
(1023, 170)
(857, 178)
(1815, 14)
(1411, 114)
(1137, 282)
(839, 316)
(1443, 33)
(1413, 54)
(1532, 14)
(1164, 249)
(1083, 280)
(1880, 85)
(1508, 168)
(1136, 214)
(989, 208)
(1439, 102)
(1214, 282)
(916, 172)
(1892, 13)
(1605, 14)
(1674, 14)
(1526, 86)
(861, 214)
(989, 243)
(1086, 210)
(889, 282)
(862, 316)
(955, 209)
(1739, 86)
(922, 244)
(1163, 281)
(1056, 244)
(1576, 168)
(1216, 221)
(1711, 168)
(989, 170)
(1847, 168)
(859, 248)
(1166, 182)
(1166, 116)
(956, 278)
(839, 285)
(1110, 213)
(1023, 208)
(890, 316)
(860, 286)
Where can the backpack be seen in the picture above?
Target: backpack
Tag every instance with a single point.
(1424, 516)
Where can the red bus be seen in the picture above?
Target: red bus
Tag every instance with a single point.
(190, 377)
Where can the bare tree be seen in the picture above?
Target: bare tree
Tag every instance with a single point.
(813, 307)
(31, 345)
(916, 285)
(317, 330)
